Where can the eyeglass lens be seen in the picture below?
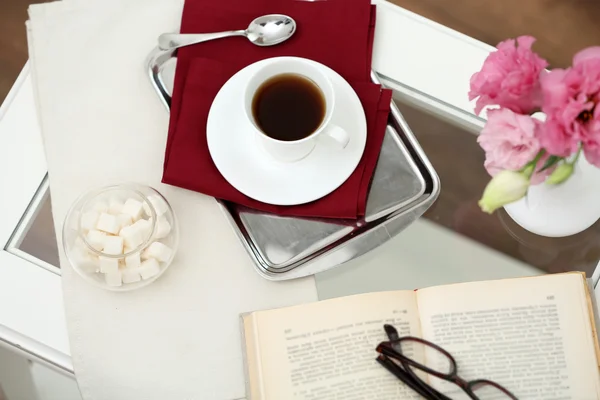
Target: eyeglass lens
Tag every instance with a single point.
(439, 362)
(425, 355)
(487, 391)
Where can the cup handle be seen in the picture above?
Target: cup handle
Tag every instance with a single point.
(338, 134)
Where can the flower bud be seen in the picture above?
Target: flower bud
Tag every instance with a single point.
(504, 188)
(560, 174)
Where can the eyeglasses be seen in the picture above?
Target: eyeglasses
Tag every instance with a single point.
(395, 355)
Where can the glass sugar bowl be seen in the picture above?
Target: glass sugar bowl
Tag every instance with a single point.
(120, 237)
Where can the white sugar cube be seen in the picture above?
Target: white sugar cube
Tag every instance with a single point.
(131, 275)
(78, 243)
(132, 236)
(109, 265)
(145, 227)
(133, 208)
(159, 251)
(89, 220)
(113, 245)
(158, 203)
(115, 206)
(108, 223)
(149, 268)
(147, 208)
(133, 260)
(96, 239)
(84, 260)
(124, 220)
(163, 227)
(113, 278)
(100, 206)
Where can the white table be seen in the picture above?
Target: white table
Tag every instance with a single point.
(428, 66)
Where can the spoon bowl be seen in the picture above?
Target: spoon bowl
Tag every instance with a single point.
(267, 30)
(270, 30)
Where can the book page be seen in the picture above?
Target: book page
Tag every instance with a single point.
(531, 335)
(326, 350)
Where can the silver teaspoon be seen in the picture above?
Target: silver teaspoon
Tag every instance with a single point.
(267, 30)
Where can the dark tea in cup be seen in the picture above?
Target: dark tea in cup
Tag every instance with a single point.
(288, 107)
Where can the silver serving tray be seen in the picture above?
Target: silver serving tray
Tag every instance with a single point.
(404, 186)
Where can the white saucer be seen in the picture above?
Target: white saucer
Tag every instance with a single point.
(250, 169)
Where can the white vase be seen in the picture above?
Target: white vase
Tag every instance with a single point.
(561, 210)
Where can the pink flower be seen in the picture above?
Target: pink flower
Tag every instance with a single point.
(510, 141)
(556, 140)
(587, 61)
(571, 97)
(510, 77)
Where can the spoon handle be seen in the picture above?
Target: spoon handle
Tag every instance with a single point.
(172, 41)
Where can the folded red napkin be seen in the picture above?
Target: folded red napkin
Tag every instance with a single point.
(336, 33)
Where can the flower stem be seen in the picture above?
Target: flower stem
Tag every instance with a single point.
(537, 158)
(577, 155)
(529, 168)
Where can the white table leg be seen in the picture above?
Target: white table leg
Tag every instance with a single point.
(16, 381)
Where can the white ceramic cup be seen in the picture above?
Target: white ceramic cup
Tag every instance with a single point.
(290, 151)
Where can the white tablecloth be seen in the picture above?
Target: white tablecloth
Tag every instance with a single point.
(102, 123)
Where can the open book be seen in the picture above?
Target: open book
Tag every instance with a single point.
(535, 336)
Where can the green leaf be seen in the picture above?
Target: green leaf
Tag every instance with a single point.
(550, 162)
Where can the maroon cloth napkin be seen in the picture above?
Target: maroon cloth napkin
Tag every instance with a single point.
(336, 33)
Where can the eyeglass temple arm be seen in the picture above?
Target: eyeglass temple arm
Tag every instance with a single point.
(391, 332)
(432, 393)
(404, 377)
(413, 382)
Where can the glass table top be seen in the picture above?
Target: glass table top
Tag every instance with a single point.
(453, 242)
(39, 240)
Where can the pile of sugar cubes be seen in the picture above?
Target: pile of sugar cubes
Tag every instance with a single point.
(116, 227)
